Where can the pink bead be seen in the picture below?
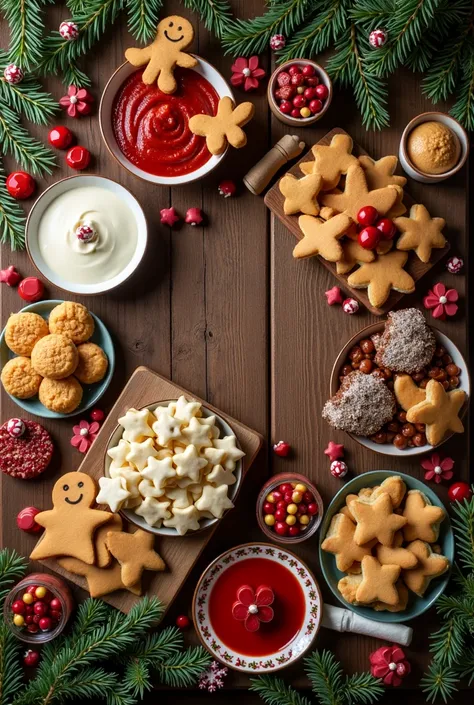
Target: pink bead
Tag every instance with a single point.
(350, 306)
(339, 469)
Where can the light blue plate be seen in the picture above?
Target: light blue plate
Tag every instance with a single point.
(416, 605)
(92, 392)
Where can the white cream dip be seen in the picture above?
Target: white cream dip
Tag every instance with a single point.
(113, 244)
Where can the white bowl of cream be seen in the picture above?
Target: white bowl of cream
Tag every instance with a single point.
(86, 234)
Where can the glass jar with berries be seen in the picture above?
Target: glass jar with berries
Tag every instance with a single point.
(37, 609)
(289, 508)
(299, 92)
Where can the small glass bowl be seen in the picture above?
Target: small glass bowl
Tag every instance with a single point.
(272, 485)
(57, 588)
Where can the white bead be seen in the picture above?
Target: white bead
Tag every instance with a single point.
(253, 609)
(83, 432)
(246, 72)
(438, 470)
(392, 666)
(443, 300)
(73, 99)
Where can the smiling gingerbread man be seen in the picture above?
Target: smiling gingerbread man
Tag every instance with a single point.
(174, 33)
(70, 525)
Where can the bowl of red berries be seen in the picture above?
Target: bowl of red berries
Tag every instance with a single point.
(289, 508)
(37, 609)
(299, 92)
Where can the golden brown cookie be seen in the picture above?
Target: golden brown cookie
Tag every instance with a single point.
(423, 518)
(61, 395)
(352, 254)
(388, 555)
(402, 603)
(383, 275)
(439, 411)
(20, 379)
(100, 581)
(340, 541)
(398, 207)
(378, 582)
(135, 554)
(103, 556)
(71, 523)
(320, 237)
(408, 393)
(375, 520)
(420, 232)
(23, 330)
(356, 195)
(348, 586)
(331, 161)
(225, 127)
(55, 356)
(430, 565)
(174, 34)
(300, 194)
(72, 320)
(394, 487)
(92, 365)
(381, 173)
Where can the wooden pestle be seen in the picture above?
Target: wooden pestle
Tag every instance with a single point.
(287, 148)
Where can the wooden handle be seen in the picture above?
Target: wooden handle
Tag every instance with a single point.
(260, 175)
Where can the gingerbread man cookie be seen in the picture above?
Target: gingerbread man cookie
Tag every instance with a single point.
(340, 541)
(70, 525)
(439, 411)
(331, 161)
(225, 127)
(321, 237)
(174, 34)
(383, 275)
(356, 195)
(135, 553)
(420, 232)
(300, 194)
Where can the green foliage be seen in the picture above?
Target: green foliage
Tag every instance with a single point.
(25, 19)
(362, 689)
(28, 98)
(142, 16)
(182, 669)
(12, 568)
(274, 691)
(216, 14)
(29, 152)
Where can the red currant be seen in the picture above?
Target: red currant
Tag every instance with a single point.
(60, 137)
(322, 91)
(295, 113)
(281, 528)
(312, 81)
(280, 514)
(20, 185)
(182, 622)
(387, 228)
(297, 79)
(285, 487)
(308, 497)
(288, 497)
(308, 70)
(294, 530)
(285, 106)
(281, 504)
(78, 157)
(55, 604)
(315, 106)
(459, 491)
(32, 589)
(309, 93)
(299, 101)
(40, 608)
(294, 70)
(269, 508)
(277, 496)
(31, 658)
(29, 619)
(55, 614)
(282, 448)
(367, 215)
(32, 628)
(18, 607)
(369, 237)
(313, 508)
(45, 624)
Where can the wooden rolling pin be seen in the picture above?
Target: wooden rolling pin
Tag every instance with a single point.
(260, 175)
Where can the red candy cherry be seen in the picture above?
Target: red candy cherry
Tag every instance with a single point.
(285, 106)
(294, 70)
(285, 486)
(288, 497)
(309, 93)
(308, 70)
(282, 449)
(55, 614)
(281, 528)
(367, 215)
(31, 589)
(20, 185)
(280, 514)
(299, 101)
(97, 415)
(182, 622)
(55, 604)
(277, 496)
(281, 504)
(31, 289)
(45, 624)
(308, 497)
(60, 137)
(321, 91)
(29, 619)
(369, 237)
(269, 508)
(315, 106)
(31, 658)
(294, 530)
(32, 628)
(312, 81)
(313, 508)
(78, 157)
(18, 607)
(387, 228)
(40, 608)
(459, 491)
(295, 113)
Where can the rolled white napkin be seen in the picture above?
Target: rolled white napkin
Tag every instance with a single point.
(342, 620)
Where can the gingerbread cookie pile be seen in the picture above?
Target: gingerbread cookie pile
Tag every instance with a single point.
(171, 467)
(385, 538)
(340, 192)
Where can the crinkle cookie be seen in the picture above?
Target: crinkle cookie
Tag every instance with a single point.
(72, 320)
(92, 364)
(23, 330)
(20, 379)
(55, 356)
(61, 395)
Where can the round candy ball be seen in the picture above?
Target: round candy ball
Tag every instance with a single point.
(60, 137)
(277, 42)
(69, 30)
(16, 428)
(20, 185)
(459, 491)
(182, 622)
(350, 306)
(378, 37)
(31, 289)
(78, 157)
(454, 265)
(25, 520)
(13, 74)
(31, 658)
(338, 469)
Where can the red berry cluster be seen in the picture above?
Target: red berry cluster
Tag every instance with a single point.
(37, 610)
(374, 228)
(300, 93)
(289, 508)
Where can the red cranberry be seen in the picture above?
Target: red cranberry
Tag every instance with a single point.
(280, 514)
(29, 609)
(281, 505)
(281, 528)
(312, 81)
(302, 508)
(18, 607)
(285, 106)
(294, 70)
(277, 496)
(285, 487)
(308, 70)
(55, 604)
(268, 508)
(322, 91)
(308, 497)
(313, 508)
(32, 628)
(31, 589)
(97, 415)
(36, 618)
(367, 215)
(40, 608)
(299, 101)
(295, 113)
(309, 93)
(294, 530)
(29, 619)
(45, 624)
(387, 228)
(182, 622)
(315, 106)
(288, 497)
(369, 237)
(55, 614)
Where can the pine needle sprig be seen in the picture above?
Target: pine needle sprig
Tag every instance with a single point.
(182, 670)
(30, 153)
(375, 12)
(463, 108)
(142, 18)
(362, 689)
(29, 98)
(158, 647)
(274, 691)
(12, 221)
(74, 76)
(12, 566)
(216, 14)
(443, 71)
(326, 676)
(447, 643)
(439, 682)
(25, 19)
(463, 524)
(467, 668)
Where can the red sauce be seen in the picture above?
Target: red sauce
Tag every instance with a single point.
(289, 607)
(151, 127)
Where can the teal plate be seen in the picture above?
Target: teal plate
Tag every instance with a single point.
(92, 392)
(416, 605)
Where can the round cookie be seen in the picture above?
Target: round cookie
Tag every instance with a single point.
(60, 395)
(23, 330)
(92, 364)
(20, 379)
(55, 356)
(72, 320)
(27, 456)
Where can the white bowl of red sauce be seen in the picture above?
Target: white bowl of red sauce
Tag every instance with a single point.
(147, 130)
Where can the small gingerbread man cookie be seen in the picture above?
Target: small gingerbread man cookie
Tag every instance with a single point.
(321, 237)
(225, 127)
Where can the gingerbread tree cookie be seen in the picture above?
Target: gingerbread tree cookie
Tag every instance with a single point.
(321, 237)
(174, 34)
(225, 127)
(439, 411)
(300, 194)
(381, 276)
(331, 161)
(356, 195)
(420, 232)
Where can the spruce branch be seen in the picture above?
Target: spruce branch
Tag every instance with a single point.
(326, 676)
(137, 678)
(463, 522)
(25, 19)
(28, 98)
(142, 18)
(12, 566)
(467, 668)
(443, 72)
(216, 14)
(182, 669)
(30, 153)
(447, 643)
(463, 111)
(439, 682)
(74, 76)
(158, 647)
(274, 691)
(362, 689)
(375, 12)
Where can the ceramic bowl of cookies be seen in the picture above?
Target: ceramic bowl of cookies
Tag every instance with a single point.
(146, 131)
(172, 468)
(70, 334)
(299, 92)
(412, 362)
(386, 546)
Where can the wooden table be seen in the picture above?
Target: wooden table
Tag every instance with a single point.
(226, 312)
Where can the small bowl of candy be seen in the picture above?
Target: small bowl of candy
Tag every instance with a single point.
(299, 92)
(37, 609)
(289, 508)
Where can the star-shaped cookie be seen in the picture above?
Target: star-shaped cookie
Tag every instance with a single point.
(420, 232)
(388, 555)
(214, 500)
(140, 453)
(112, 493)
(136, 425)
(135, 553)
(381, 276)
(189, 464)
(331, 161)
(220, 476)
(423, 518)
(356, 195)
(153, 511)
(381, 173)
(167, 427)
(407, 392)
(232, 453)
(430, 565)
(159, 471)
(100, 581)
(184, 520)
(340, 541)
(300, 194)
(225, 127)
(439, 411)
(376, 520)
(184, 409)
(378, 582)
(352, 254)
(320, 237)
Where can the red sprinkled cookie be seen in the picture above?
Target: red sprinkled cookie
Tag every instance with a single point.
(28, 456)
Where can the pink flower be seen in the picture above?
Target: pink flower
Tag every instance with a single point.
(441, 301)
(84, 435)
(253, 607)
(77, 101)
(438, 469)
(389, 664)
(246, 72)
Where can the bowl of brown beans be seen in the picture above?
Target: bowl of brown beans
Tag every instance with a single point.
(398, 437)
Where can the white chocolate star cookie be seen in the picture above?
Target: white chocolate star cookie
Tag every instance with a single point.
(214, 500)
(112, 493)
(167, 427)
(141, 452)
(153, 511)
(183, 520)
(131, 479)
(214, 455)
(198, 434)
(178, 496)
(189, 464)
(159, 471)
(148, 489)
(136, 425)
(232, 453)
(184, 409)
(119, 453)
(220, 476)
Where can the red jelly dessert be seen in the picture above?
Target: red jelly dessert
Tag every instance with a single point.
(151, 127)
(28, 455)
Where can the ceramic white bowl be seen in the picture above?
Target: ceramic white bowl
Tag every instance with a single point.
(44, 201)
(111, 89)
(450, 122)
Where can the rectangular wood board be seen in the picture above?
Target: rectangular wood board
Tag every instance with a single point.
(180, 553)
(274, 199)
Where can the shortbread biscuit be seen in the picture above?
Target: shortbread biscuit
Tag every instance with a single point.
(23, 331)
(430, 565)
(339, 540)
(301, 194)
(381, 173)
(352, 254)
(135, 553)
(383, 275)
(225, 127)
(55, 356)
(378, 582)
(403, 597)
(439, 412)
(420, 232)
(388, 555)
(348, 586)
(20, 379)
(92, 365)
(100, 581)
(320, 237)
(60, 395)
(356, 195)
(72, 320)
(331, 161)
(423, 519)
(394, 487)
(407, 392)
(376, 520)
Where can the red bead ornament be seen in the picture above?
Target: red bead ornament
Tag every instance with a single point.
(369, 237)
(333, 296)
(350, 306)
(227, 188)
(10, 276)
(387, 228)
(169, 216)
(454, 265)
(20, 185)
(253, 607)
(339, 469)
(377, 38)
(334, 451)
(97, 415)
(182, 622)
(194, 216)
(282, 448)
(31, 289)
(367, 215)
(78, 157)
(389, 664)
(246, 73)
(459, 491)
(25, 520)
(78, 101)
(13, 74)
(277, 42)
(16, 428)
(69, 30)
(31, 658)
(60, 137)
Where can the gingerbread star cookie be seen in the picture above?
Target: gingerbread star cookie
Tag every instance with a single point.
(340, 541)
(381, 173)
(100, 581)
(352, 254)
(378, 582)
(320, 237)
(420, 232)
(300, 194)
(331, 161)
(403, 596)
(430, 565)
(439, 411)
(407, 392)
(423, 518)
(225, 127)
(381, 276)
(375, 519)
(135, 554)
(356, 195)
(393, 486)
(396, 555)
(103, 557)
(174, 34)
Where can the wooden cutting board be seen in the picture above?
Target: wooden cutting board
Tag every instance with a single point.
(181, 552)
(274, 199)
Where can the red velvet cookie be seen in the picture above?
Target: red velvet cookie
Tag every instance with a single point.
(29, 455)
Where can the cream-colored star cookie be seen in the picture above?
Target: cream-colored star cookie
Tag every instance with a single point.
(112, 493)
(214, 455)
(189, 464)
(136, 425)
(179, 497)
(185, 482)
(232, 453)
(119, 453)
(131, 479)
(148, 489)
(196, 491)
(198, 434)
(184, 409)
(183, 520)
(159, 472)
(215, 500)
(141, 452)
(301, 194)
(220, 476)
(167, 428)
(153, 511)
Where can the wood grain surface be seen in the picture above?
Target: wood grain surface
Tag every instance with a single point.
(225, 311)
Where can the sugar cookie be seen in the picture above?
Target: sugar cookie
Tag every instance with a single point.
(394, 487)
(220, 476)
(72, 320)
(348, 586)
(184, 409)
(381, 173)
(20, 379)
(383, 275)
(321, 237)
(100, 581)
(131, 478)
(54, 356)
(23, 331)
(159, 471)
(214, 456)
(135, 553)
(420, 232)
(103, 556)
(403, 597)
(61, 395)
(184, 520)
(356, 195)
(440, 412)
(153, 511)
(140, 453)
(119, 453)
(214, 500)
(331, 161)
(112, 493)
(423, 518)
(339, 540)
(352, 254)
(136, 425)
(232, 453)
(430, 565)
(146, 488)
(407, 392)
(167, 427)
(197, 434)
(301, 194)
(388, 555)
(225, 127)
(378, 582)
(189, 464)
(375, 520)
(92, 365)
